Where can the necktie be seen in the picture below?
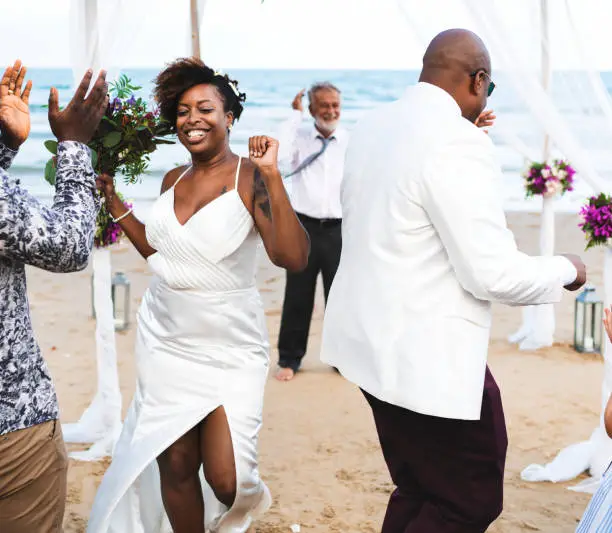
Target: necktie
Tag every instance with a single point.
(312, 157)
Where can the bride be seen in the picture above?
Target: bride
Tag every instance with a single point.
(186, 460)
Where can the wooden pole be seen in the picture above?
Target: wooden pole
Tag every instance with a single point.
(195, 29)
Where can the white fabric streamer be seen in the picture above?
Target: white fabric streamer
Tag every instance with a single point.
(100, 424)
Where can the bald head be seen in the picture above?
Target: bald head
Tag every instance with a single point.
(456, 52)
(458, 61)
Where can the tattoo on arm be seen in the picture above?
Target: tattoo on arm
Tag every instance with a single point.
(260, 195)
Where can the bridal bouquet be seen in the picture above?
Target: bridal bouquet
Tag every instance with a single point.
(127, 135)
(597, 217)
(549, 180)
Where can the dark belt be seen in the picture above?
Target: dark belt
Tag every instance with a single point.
(321, 222)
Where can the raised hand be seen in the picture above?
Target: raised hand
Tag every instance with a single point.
(486, 119)
(263, 152)
(80, 119)
(297, 101)
(14, 108)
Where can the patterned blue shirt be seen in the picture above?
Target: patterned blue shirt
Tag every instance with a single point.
(58, 239)
(598, 515)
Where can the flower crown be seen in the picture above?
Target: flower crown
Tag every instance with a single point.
(229, 82)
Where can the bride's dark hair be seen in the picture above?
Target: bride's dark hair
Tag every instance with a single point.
(187, 72)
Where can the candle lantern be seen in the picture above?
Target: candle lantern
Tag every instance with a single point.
(120, 296)
(588, 314)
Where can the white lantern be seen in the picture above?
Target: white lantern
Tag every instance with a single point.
(588, 316)
(120, 295)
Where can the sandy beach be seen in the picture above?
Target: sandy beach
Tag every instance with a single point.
(318, 448)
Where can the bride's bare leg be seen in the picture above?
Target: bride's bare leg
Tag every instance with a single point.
(179, 466)
(217, 455)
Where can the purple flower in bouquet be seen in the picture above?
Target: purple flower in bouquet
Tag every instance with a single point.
(597, 220)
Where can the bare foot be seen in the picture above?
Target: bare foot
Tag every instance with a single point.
(284, 374)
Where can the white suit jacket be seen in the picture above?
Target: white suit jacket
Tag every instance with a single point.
(425, 250)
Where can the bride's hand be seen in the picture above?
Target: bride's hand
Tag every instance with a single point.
(14, 108)
(106, 185)
(263, 152)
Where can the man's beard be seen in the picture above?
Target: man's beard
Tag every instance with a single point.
(327, 125)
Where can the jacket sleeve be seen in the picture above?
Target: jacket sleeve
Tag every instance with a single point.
(460, 194)
(57, 238)
(6, 156)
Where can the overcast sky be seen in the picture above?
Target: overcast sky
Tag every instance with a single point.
(369, 34)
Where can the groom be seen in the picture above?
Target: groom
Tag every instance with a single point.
(425, 251)
(58, 238)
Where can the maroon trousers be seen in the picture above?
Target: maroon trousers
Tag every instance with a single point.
(449, 473)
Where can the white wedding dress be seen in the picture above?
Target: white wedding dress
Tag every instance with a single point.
(201, 343)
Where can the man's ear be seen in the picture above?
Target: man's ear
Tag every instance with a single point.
(478, 83)
(310, 108)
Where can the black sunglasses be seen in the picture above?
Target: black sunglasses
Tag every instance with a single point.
(491, 83)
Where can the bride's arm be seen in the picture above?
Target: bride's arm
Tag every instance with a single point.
(284, 237)
(131, 226)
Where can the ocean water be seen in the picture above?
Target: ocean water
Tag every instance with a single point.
(269, 96)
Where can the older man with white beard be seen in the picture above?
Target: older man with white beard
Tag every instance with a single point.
(314, 156)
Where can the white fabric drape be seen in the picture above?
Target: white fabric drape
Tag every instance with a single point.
(101, 421)
(99, 31)
(92, 45)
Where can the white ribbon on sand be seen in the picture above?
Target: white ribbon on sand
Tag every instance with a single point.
(100, 424)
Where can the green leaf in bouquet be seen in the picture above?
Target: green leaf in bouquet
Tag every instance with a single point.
(50, 172)
(112, 139)
(51, 146)
(94, 159)
(107, 124)
(123, 88)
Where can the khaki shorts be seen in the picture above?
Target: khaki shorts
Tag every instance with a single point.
(33, 466)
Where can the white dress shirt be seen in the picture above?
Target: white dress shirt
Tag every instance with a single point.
(425, 249)
(314, 191)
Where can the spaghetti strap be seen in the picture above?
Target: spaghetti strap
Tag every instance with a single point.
(181, 176)
(237, 173)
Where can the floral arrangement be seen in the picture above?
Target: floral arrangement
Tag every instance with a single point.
(127, 135)
(597, 217)
(549, 180)
(107, 231)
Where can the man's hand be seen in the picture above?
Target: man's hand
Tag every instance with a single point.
(486, 119)
(80, 119)
(581, 278)
(14, 109)
(297, 101)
